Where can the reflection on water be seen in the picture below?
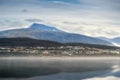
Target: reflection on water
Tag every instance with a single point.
(41, 68)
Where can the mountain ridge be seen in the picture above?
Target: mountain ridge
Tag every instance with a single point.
(44, 32)
(115, 41)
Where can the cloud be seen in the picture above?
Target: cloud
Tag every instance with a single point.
(11, 23)
(34, 20)
(89, 17)
(25, 10)
(65, 1)
(71, 23)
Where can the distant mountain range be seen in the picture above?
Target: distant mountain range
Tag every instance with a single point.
(44, 32)
(115, 41)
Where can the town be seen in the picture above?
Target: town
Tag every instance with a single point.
(57, 51)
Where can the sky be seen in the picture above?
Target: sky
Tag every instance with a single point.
(97, 18)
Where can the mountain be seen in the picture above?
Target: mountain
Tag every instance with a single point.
(104, 38)
(44, 27)
(44, 32)
(116, 40)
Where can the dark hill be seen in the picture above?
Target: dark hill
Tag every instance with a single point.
(28, 42)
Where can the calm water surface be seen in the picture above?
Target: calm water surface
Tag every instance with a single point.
(59, 68)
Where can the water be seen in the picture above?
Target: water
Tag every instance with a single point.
(59, 68)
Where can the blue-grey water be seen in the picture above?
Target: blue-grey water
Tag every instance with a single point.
(60, 68)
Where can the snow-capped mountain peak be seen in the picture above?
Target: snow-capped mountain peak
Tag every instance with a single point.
(43, 27)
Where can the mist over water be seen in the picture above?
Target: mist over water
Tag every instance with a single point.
(59, 68)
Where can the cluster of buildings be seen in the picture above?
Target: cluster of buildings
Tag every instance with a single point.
(59, 51)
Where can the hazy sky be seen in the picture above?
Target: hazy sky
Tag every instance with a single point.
(89, 17)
